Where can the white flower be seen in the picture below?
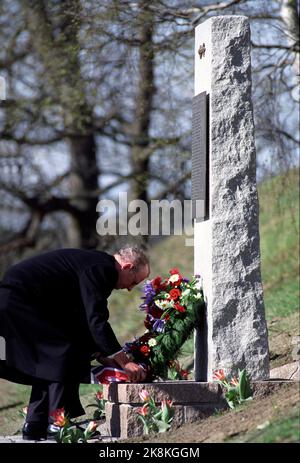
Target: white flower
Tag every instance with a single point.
(164, 304)
(152, 342)
(186, 292)
(174, 278)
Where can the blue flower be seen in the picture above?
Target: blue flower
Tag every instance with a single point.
(149, 294)
(159, 325)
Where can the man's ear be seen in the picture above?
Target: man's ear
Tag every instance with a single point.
(127, 265)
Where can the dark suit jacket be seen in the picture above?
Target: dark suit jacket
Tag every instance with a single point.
(53, 313)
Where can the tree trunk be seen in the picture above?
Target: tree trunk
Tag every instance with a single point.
(83, 182)
(143, 108)
(56, 42)
(290, 17)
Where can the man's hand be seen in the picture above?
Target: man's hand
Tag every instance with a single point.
(135, 372)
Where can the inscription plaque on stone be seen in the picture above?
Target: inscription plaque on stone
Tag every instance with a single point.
(199, 158)
(2, 348)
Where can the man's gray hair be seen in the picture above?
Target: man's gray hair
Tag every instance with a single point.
(135, 255)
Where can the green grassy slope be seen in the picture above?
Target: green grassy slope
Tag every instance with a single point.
(279, 231)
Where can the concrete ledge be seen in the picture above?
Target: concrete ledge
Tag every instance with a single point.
(264, 388)
(180, 392)
(288, 371)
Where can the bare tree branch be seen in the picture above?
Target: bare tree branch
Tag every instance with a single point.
(27, 237)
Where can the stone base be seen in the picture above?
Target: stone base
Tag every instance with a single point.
(191, 401)
(288, 371)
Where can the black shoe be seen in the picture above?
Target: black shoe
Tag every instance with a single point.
(34, 431)
(52, 431)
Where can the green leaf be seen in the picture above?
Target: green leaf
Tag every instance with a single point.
(244, 385)
(232, 397)
(162, 426)
(165, 413)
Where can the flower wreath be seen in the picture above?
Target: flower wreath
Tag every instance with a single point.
(172, 306)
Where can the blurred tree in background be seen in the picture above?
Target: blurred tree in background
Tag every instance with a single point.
(99, 101)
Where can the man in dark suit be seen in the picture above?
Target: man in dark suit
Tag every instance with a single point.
(54, 317)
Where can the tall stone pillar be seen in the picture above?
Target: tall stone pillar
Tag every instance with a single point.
(227, 252)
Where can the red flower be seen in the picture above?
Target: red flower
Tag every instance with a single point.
(145, 337)
(167, 317)
(174, 271)
(156, 283)
(234, 382)
(59, 417)
(219, 375)
(99, 395)
(143, 410)
(175, 294)
(163, 285)
(145, 350)
(184, 374)
(133, 347)
(179, 308)
(156, 312)
(147, 324)
(166, 403)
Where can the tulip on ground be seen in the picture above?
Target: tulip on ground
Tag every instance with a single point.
(155, 418)
(237, 390)
(69, 433)
(99, 404)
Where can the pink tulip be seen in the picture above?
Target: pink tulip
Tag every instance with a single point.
(144, 395)
(92, 426)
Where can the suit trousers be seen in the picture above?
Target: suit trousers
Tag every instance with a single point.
(46, 396)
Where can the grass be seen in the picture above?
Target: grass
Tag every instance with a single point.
(284, 430)
(279, 230)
